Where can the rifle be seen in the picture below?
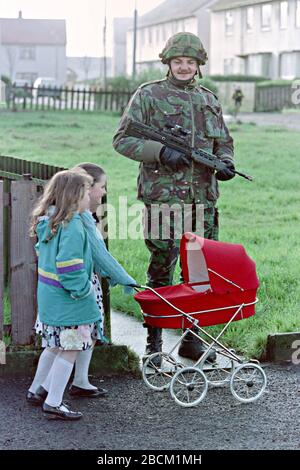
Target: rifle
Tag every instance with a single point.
(176, 139)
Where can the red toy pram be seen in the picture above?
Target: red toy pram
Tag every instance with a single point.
(219, 286)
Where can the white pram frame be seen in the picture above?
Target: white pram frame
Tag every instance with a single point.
(189, 385)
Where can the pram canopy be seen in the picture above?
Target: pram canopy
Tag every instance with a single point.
(218, 278)
(222, 265)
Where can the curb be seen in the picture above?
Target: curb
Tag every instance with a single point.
(282, 347)
(106, 360)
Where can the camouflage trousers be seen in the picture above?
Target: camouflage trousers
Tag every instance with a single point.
(163, 230)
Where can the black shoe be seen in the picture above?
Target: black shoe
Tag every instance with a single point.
(79, 392)
(61, 412)
(37, 398)
(192, 347)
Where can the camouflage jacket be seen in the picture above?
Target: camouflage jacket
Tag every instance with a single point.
(194, 108)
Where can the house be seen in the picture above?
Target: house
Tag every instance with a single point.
(31, 48)
(256, 37)
(120, 28)
(168, 18)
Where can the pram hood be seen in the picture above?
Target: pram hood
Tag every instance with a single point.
(224, 267)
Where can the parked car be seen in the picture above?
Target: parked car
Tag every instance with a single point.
(46, 86)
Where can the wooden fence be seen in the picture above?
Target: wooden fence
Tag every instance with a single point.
(274, 98)
(54, 98)
(21, 184)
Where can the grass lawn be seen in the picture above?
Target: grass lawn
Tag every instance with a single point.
(263, 215)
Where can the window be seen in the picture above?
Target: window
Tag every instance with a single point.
(229, 22)
(157, 34)
(164, 33)
(174, 27)
(290, 65)
(27, 53)
(142, 37)
(250, 19)
(266, 13)
(150, 36)
(228, 66)
(283, 15)
(298, 14)
(259, 64)
(28, 77)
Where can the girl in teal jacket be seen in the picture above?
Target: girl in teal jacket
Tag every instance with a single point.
(68, 314)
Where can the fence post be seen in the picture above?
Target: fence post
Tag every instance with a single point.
(23, 263)
(78, 99)
(72, 98)
(1, 261)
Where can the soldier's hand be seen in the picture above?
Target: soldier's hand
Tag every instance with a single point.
(173, 159)
(227, 173)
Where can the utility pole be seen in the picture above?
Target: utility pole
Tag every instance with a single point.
(135, 16)
(104, 49)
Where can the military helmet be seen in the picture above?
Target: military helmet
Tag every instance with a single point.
(184, 45)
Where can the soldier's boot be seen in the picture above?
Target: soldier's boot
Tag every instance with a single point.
(192, 347)
(154, 344)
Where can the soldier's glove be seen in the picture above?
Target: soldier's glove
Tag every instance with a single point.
(227, 173)
(173, 159)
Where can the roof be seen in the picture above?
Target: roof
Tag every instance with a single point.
(231, 4)
(27, 31)
(171, 10)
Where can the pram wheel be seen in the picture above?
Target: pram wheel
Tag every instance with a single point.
(159, 377)
(189, 387)
(248, 382)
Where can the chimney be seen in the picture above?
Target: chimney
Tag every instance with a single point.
(20, 14)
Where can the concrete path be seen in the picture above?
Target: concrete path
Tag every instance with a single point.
(285, 120)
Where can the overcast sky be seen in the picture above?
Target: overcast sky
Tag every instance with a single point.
(85, 18)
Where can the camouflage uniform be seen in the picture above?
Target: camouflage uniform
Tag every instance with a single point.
(165, 103)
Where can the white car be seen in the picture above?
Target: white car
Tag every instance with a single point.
(46, 86)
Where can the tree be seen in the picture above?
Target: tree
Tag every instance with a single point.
(85, 63)
(11, 52)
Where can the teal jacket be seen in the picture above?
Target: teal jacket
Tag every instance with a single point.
(65, 292)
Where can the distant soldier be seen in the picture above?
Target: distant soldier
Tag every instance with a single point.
(169, 177)
(237, 98)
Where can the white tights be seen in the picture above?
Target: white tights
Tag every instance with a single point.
(58, 377)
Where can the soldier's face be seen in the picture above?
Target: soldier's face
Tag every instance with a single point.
(183, 68)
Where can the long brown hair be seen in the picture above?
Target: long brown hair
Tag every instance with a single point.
(64, 191)
(95, 171)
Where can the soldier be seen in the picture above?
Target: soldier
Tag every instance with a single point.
(167, 176)
(237, 99)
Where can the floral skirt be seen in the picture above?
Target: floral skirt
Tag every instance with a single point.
(75, 337)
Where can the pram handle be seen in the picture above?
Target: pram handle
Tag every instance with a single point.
(136, 287)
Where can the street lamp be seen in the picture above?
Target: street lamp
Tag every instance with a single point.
(104, 49)
(135, 16)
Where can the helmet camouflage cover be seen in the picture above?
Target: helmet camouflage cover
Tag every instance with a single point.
(184, 45)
